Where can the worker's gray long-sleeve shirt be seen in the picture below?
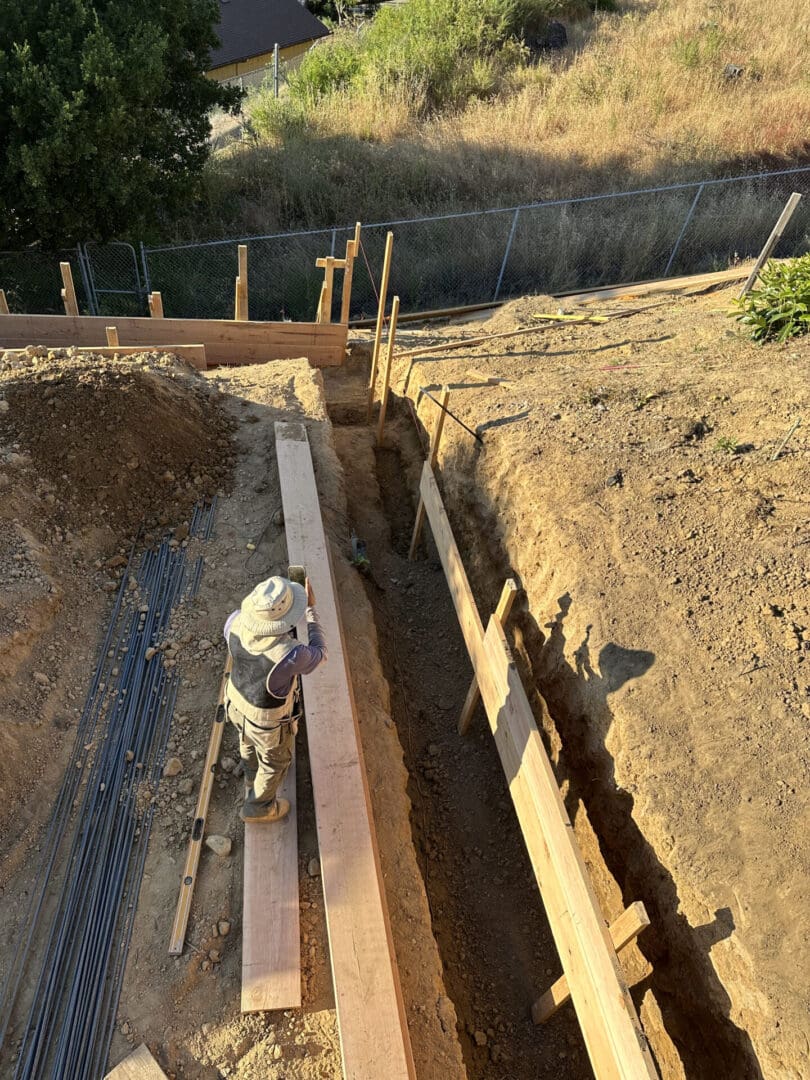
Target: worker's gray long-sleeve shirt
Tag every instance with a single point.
(302, 660)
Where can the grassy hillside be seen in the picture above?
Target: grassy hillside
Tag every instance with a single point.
(641, 95)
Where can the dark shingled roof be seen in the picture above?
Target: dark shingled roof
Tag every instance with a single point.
(252, 27)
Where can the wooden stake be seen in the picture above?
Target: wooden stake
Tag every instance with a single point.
(198, 828)
(68, 293)
(328, 287)
(112, 336)
(3, 303)
(156, 305)
(624, 930)
(433, 457)
(771, 242)
(352, 248)
(241, 305)
(321, 304)
(386, 273)
(510, 591)
(389, 355)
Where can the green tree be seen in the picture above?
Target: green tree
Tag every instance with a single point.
(103, 114)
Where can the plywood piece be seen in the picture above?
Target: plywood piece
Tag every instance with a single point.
(226, 341)
(271, 933)
(140, 1065)
(615, 1041)
(622, 931)
(371, 1017)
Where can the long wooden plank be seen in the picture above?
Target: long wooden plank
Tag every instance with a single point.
(271, 933)
(613, 1035)
(194, 354)
(661, 285)
(373, 1029)
(225, 339)
(507, 599)
(772, 241)
(140, 1065)
(622, 931)
(189, 878)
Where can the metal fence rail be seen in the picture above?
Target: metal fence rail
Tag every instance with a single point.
(452, 259)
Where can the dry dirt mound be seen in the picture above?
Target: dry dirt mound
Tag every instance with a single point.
(117, 440)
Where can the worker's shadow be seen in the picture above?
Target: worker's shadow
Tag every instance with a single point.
(694, 1005)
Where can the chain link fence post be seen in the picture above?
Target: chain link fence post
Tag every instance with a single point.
(506, 253)
(684, 227)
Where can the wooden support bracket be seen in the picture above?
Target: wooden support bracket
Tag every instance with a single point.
(321, 304)
(198, 827)
(389, 355)
(624, 930)
(156, 305)
(508, 595)
(433, 457)
(241, 297)
(68, 292)
(386, 274)
(112, 336)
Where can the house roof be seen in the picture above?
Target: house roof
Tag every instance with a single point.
(251, 27)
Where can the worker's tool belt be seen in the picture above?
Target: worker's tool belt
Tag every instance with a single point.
(247, 687)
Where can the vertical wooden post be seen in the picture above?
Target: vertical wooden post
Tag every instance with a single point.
(386, 273)
(156, 305)
(328, 288)
(508, 594)
(352, 248)
(112, 337)
(68, 292)
(389, 357)
(321, 300)
(241, 302)
(433, 457)
(3, 303)
(771, 242)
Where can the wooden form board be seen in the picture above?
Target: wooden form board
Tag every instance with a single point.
(663, 285)
(140, 1065)
(271, 933)
(373, 1029)
(226, 341)
(613, 1035)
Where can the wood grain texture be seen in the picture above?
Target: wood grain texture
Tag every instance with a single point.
(616, 1043)
(140, 1065)
(271, 933)
(226, 341)
(373, 1029)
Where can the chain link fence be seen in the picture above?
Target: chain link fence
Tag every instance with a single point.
(444, 261)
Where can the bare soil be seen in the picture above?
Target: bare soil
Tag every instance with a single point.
(626, 476)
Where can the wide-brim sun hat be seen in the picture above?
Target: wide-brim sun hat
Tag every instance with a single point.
(273, 608)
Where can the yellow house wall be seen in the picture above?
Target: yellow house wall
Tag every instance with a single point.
(253, 63)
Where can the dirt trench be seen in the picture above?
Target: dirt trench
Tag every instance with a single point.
(487, 917)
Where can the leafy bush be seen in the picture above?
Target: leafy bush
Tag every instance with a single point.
(445, 50)
(779, 308)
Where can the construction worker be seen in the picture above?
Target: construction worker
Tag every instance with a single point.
(263, 692)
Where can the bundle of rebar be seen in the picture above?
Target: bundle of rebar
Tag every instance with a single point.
(93, 853)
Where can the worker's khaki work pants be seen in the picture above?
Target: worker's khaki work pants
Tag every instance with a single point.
(266, 754)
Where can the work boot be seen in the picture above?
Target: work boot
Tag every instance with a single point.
(264, 813)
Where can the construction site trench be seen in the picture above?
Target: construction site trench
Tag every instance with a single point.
(641, 640)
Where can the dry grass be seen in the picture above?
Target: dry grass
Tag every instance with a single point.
(639, 97)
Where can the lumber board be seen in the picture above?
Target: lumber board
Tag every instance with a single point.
(189, 878)
(374, 1037)
(622, 931)
(225, 339)
(611, 1029)
(194, 354)
(507, 599)
(140, 1065)
(662, 285)
(271, 932)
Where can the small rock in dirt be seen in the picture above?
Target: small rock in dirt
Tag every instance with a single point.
(204, 644)
(227, 764)
(41, 679)
(434, 750)
(314, 868)
(150, 652)
(180, 533)
(278, 518)
(173, 766)
(277, 1052)
(220, 845)
(214, 955)
(224, 927)
(4, 406)
(186, 786)
(480, 1038)
(116, 560)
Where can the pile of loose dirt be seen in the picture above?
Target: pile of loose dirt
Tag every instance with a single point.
(109, 440)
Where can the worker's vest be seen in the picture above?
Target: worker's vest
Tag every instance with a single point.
(247, 686)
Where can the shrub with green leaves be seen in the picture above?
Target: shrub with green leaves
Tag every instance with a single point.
(779, 307)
